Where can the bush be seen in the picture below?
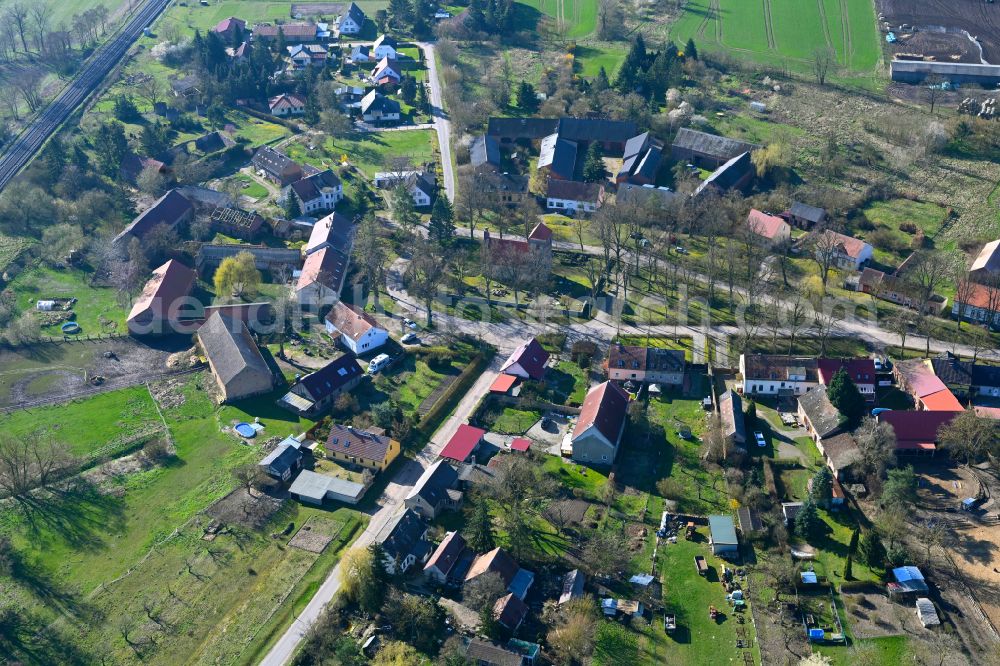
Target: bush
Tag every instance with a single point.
(346, 404)
(156, 450)
(885, 240)
(908, 227)
(670, 488)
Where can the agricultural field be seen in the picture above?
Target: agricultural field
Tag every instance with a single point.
(784, 32)
(572, 19)
(126, 541)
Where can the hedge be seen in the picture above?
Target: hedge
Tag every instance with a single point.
(451, 395)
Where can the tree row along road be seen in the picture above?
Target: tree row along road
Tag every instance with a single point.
(88, 79)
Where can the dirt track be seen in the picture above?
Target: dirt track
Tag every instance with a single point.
(980, 18)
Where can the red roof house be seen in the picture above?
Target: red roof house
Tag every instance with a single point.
(463, 443)
(600, 425)
(916, 376)
(861, 371)
(527, 362)
(770, 227)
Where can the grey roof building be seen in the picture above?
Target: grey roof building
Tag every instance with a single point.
(735, 174)
(484, 150)
(805, 216)
(283, 460)
(236, 363)
(404, 542)
(707, 150)
(435, 490)
(316, 392)
(313, 488)
(723, 533)
(731, 413)
(171, 209)
(821, 418)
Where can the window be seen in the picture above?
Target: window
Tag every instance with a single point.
(604, 457)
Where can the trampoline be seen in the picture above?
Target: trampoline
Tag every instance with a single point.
(245, 430)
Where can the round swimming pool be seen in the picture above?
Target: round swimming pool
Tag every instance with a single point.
(70, 327)
(245, 430)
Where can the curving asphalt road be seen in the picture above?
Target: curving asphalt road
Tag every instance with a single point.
(87, 80)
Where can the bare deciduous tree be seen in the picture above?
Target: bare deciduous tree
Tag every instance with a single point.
(824, 59)
(31, 462)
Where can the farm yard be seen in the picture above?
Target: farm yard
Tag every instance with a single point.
(980, 19)
(784, 33)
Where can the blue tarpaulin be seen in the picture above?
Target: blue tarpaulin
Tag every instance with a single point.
(809, 577)
(816, 634)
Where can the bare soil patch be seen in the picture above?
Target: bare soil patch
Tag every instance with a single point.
(573, 511)
(980, 18)
(242, 509)
(316, 534)
(873, 615)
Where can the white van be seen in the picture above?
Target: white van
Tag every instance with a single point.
(377, 363)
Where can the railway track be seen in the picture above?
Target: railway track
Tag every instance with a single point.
(87, 80)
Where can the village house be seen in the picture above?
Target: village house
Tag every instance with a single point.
(352, 21)
(538, 246)
(840, 452)
(234, 358)
(361, 54)
(435, 491)
(172, 209)
(507, 189)
(377, 108)
(599, 427)
(315, 393)
(284, 460)
(732, 417)
(980, 304)
(861, 371)
(321, 278)
(805, 216)
(527, 361)
(646, 365)
(450, 561)
(349, 96)
(707, 151)
(387, 72)
(886, 287)
(986, 266)
(354, 328)
(561, 152)
(405, 542)
(307, 55)
(509, 612)
(499, 561)
(276, 166)
(241, 52)
(916, 377)
(333, 230)
(463, 444)
(385, 47)
(845, 252)
(162, 307)
(353, 446)
(640, 160)
(572, 197)
(819, 416)
(320, 191)
(314, 488)
(767, 374)
(232, 30)
(483, 653)
(771, 228)
(420, 184)
(967, 378)
(286, 104)
(133, 165)
(520, 130)
(294, 33)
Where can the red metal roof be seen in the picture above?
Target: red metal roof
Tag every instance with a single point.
(916, 430)
(941, 401)
(541, 232)
(859, 370)
(502, 383)
(768, 226)
(462, 443)
(520, 444)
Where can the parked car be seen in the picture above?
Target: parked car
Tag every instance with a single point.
(409, 323)
(410, 339)
(759, 436)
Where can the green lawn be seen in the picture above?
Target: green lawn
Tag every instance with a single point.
(252, 188)
(92, 304)
(515, 421)
(568, 383)
(887, 216)
(101, 424)
(784, 32)
(370, 152)
(615, 644)
(11, 248)
(591, 58)
(98, 557)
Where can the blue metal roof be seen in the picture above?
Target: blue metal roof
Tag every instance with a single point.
(723, 530)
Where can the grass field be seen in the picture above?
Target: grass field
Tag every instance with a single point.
(129, 546)
(784, 32)
(573, 18)
(369, 152)
(92, 302)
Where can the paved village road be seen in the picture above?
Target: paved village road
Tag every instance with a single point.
(390, 504)
(441, 122)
